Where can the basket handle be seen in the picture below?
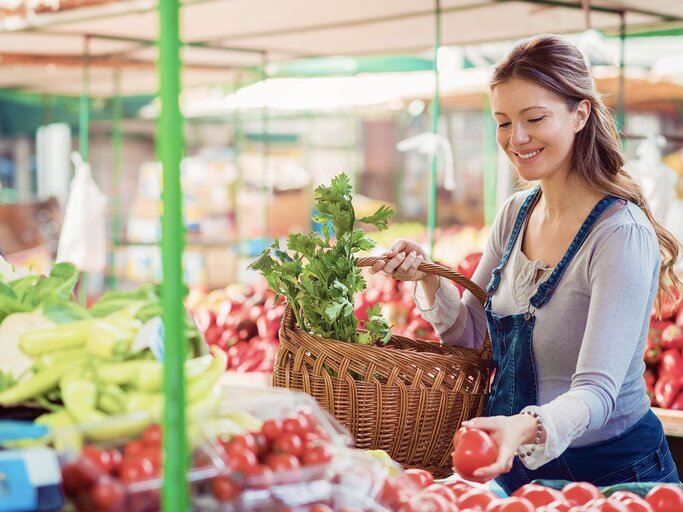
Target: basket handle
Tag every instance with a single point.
(440, 270)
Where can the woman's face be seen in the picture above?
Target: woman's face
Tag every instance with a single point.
(536, 128)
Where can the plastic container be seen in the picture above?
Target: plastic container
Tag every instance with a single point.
(295, 498)
(94, 481)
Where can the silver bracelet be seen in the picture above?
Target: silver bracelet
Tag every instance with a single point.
(537, 440)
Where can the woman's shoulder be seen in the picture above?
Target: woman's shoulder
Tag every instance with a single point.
(627, 222)
(626, 215)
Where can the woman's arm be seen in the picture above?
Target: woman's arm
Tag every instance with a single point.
(462, 321)
(623, 278)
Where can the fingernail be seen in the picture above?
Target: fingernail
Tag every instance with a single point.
(401, 255)
(467, 423)
(412, 253)
(478, 473)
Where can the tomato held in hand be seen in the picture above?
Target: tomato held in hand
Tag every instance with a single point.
(579, 493)
(472, 449)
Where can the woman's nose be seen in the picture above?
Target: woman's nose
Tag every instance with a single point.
(519, 136)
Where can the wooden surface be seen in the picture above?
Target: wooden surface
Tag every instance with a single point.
(671, 420)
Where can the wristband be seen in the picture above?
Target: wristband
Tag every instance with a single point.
(537, 440)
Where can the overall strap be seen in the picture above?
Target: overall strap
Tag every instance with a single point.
(519, 222)
(547, 288)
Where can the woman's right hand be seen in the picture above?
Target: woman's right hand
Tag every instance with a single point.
(402, 261)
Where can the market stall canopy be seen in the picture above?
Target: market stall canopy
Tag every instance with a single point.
(40, 50)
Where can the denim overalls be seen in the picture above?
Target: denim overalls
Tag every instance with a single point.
(641, 453)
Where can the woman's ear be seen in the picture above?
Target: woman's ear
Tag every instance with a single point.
(583, 112)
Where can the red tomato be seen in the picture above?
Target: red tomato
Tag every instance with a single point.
(242, 459)
(271, 429)
(259, 477)
(558, 506)
(282, 462)
(317, 455)
(98, 458)
(320, 508)
(633, 502)
(472, 449)
(665, 498)
(133, 470)
(296, 424)
(444, 491)
(539, 495)
(289, 442)
(604, 505)
(311, 439)
(246, 440)
(430, 502)
(421, 477)
(476, 498)
(133, 449)
(76, 478)
(224, 489)
(107, 494)
(513, 504)
(152, 435)
(579, 493)
(459, 488)
(114, 460)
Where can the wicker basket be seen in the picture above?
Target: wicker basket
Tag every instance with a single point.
(406, 398)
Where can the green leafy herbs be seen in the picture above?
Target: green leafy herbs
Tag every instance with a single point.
(318, 274)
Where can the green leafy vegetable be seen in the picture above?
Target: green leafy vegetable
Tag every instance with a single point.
(319, 276)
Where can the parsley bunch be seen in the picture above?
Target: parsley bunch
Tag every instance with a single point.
(318, 276)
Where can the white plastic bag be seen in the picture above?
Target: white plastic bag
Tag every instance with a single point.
(83, 240)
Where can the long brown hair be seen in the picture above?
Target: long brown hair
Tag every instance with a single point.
(557, 65)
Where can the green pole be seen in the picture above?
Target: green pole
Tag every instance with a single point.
(431, 214)
(490, 164)
(170, 139)
(117, 108)
(622, 79)
(83, 127)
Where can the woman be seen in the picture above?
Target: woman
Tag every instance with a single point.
(572, 269)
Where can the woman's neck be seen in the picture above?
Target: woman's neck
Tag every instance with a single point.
(560, 198)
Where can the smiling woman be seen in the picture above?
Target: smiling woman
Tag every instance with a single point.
(572, 268)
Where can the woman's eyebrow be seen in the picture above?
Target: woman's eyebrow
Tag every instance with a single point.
(521, 111)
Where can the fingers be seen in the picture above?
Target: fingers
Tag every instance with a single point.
(408, 261)
(394, 263)
(397, 247)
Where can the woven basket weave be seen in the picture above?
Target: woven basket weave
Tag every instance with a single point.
(407, 397)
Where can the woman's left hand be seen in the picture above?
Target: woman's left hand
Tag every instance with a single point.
(509, 433)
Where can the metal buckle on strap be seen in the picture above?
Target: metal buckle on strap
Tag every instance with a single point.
(529, 312)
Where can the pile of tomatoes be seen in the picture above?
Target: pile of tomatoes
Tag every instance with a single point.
(96, 481)
(292, 449)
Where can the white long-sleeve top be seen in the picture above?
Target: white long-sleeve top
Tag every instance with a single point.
(588, 340)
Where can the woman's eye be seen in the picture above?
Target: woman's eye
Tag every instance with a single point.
(503, 125)
(537, 119)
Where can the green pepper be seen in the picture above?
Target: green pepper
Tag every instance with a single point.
(38, 383)
(64, 434)
(202, 385)
(130, 425)
(58, 358)
(80, 397)
(153, 403)
(111, 399)
(152, 379)
(125, 372)
(59, 337)
(107, 339)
